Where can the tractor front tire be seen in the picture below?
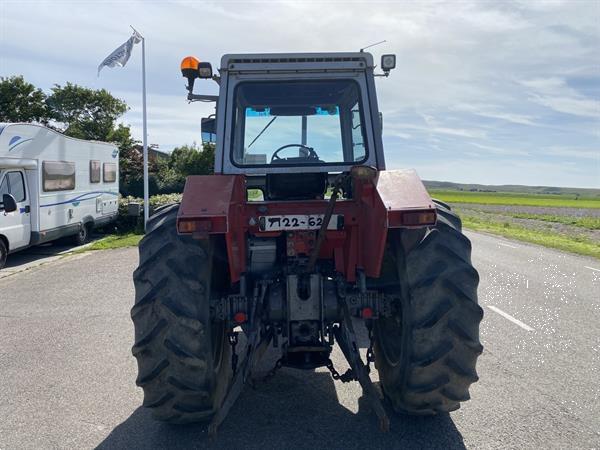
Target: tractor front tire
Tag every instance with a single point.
(426, 353)
(182, 356)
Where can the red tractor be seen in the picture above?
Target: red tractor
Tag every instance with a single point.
(300, 236)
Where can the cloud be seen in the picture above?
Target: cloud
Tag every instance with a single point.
(574, 153)
(494, 112)
(556, 94)
(497, 74)
(491, 150)
(571, 105)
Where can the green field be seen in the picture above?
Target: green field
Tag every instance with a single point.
(501, 198)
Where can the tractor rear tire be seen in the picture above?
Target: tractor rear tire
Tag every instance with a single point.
(426, 353)
(182, 356)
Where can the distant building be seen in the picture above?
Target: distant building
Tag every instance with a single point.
(154, 154)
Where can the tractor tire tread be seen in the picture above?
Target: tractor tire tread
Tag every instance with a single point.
(171, 329)
(441, 327)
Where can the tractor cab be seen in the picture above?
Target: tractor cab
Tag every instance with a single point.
(290, 123)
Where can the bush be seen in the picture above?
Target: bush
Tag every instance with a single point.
(128, 224)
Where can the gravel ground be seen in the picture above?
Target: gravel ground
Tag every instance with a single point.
(499, 213)
(498, 209)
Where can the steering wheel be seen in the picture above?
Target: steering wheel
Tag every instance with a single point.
(311, 151)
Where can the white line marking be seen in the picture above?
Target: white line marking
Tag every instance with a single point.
(591, 268)
(527, 284)
(507, 245)
(511, 318)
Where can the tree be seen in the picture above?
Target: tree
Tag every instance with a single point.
(191, 160)
(121, 135)
(85, 113)
(21, 101)
(184, 161)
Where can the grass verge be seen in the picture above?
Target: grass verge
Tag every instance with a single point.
(115, 241)
(575, 244)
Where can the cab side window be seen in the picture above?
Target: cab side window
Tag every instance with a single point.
(16, 185)
(358, 139)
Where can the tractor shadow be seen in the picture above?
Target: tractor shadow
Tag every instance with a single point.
(294, 409)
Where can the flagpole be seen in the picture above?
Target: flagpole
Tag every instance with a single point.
(145, 126)
(145, 132)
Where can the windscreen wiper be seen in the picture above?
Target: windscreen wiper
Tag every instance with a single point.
(262, 131)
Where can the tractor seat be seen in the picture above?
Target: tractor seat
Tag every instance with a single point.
(296, 186)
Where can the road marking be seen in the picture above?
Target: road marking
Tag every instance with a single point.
(511, 318)
(507, 245)
(527, 284)
(591, 268)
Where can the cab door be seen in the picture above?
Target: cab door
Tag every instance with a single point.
(16, 226)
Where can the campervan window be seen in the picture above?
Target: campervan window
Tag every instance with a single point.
(13, 184)
(58, 175)
(17, 185)
(94, 171)
(110, 172)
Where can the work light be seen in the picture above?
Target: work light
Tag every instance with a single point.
(205, 70)
(388, 62)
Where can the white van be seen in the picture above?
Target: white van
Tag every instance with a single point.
(52, 186)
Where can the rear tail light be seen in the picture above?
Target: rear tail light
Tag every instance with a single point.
(418, 218)
(194, 226)
(202, 225)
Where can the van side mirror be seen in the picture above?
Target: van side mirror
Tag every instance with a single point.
(208, 127)
(9, 202)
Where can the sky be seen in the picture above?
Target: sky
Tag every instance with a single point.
(483, 92)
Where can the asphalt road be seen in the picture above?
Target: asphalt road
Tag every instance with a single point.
(38, 255)
(67, 374)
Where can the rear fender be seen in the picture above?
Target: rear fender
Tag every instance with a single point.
(214, 204)
(394, 199)
(405, 199)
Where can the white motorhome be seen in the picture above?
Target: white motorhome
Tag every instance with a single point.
(52, 186)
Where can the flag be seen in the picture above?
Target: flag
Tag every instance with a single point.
(121, 55)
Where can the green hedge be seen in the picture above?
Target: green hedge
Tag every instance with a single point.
(127, 224)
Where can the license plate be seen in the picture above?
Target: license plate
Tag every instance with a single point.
(299, 222)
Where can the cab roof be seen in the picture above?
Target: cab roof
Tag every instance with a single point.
(286, 61)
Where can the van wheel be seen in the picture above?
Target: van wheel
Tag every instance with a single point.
(3, 253)
(83, 236)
